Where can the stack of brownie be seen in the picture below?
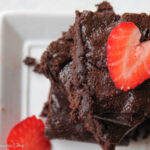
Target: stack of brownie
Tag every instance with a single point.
(84, 104)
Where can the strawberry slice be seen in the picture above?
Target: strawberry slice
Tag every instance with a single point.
(128, 60)
(28, 135)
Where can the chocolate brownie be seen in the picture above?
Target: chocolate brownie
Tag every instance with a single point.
(97, 106)
(108, 112)
(57, 55)
(56, 124)
(55, 130)
(59, 124)
(56, 65)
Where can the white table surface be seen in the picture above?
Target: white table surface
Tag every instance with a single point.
(70, 6)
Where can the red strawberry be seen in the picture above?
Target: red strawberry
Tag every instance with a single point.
(28, 135)
(128, 60)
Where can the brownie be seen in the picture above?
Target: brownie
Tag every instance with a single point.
(55, 130)
(57, 55)
(84, 103)
(59, 124)
(58, 120)
(90, 73)
(108, 112)
(29, 61)
(56, 65)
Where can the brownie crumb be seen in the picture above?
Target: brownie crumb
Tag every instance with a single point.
(29, 61)
(37, 68)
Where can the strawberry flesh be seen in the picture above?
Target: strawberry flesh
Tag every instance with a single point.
(128, 60)
(28, 135)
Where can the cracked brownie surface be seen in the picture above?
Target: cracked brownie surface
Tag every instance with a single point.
(83, 97)
(93, 95)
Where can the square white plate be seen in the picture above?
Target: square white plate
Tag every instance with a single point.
(22, 92)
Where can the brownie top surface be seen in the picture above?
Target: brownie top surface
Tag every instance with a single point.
(92, 93)
(91, 72)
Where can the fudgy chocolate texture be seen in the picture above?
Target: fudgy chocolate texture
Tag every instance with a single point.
(59, 123)
(97, 106)
(141, 132)
(57, 55)
(90, 73)
(56, 64)
(93, 95)
(56, 124)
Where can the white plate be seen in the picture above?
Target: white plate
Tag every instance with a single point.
(22, 92)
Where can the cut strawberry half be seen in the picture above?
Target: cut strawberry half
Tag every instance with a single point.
(128, 60)
(28, 135)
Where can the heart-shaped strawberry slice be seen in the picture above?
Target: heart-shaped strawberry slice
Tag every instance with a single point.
(128, 60)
